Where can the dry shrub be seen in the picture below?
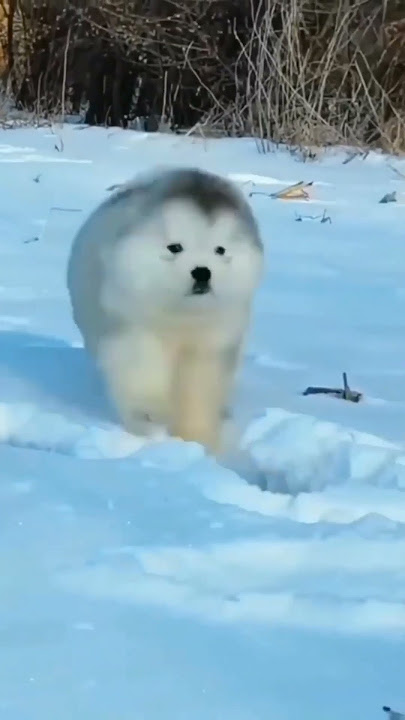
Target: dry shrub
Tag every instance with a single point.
(315, 74)
(302, 72)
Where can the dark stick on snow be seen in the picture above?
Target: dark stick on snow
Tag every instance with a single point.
(345, 394)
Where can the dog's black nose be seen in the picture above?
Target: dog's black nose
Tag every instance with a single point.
(201, 274)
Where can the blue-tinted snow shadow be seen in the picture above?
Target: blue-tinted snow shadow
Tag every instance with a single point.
(49, 370)
(63, 379)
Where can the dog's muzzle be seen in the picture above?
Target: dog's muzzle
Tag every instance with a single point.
(201, 284)
(200, 288)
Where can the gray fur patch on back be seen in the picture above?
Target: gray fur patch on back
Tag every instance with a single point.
(210, 193)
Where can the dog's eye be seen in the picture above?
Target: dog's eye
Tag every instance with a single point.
(175, 248)
(220, 250)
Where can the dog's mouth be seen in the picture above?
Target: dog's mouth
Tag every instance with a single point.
(201, 288)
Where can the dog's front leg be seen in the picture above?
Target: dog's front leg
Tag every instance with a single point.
(199, 397)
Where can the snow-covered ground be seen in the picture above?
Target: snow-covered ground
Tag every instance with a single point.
(147, 582)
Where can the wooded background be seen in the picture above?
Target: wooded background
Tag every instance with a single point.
(303, 72)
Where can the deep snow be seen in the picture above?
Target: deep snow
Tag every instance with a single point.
(146, 582)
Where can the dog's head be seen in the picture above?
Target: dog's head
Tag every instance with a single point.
(195, 261)
(196, 248)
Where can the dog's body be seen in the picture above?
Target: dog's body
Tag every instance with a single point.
(161, 279)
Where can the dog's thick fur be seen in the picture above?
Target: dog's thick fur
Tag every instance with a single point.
(169, 355)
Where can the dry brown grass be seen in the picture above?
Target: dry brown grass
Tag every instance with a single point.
(308, 73)
(338, 85)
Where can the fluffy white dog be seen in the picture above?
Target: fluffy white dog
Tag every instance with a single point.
(161, 280)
